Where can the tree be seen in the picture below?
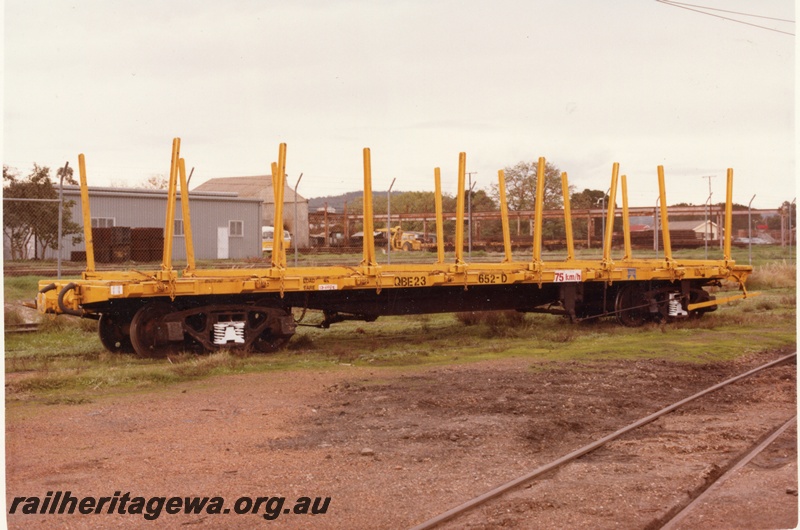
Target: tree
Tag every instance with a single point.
(481, 201)
(403, 202)
(774, 222)
(739, 221)
(521, 182)
(47, 234)
(16, 218)
(586, 200)
(156, 182)
(35, 221)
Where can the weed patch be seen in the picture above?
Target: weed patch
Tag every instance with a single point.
(200, 366)
(20, 288)
(778, 275)
(496, 324)
(301, 342)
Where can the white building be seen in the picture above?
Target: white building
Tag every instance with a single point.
(261, 187)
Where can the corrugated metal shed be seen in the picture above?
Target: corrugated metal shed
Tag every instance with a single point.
(210, 212)
(261, 187)
(700, 228)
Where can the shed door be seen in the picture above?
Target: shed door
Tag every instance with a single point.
(222, 242)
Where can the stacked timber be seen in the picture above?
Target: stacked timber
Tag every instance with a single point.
(147, 244)
(112, 244)
(678, 239)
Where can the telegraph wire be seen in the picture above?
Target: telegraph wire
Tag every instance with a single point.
(690, 7)
(726, 11)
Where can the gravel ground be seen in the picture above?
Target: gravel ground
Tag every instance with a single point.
(394, 447)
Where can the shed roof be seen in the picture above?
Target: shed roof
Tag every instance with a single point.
(690, 225)
(144, 192)
(259, 186)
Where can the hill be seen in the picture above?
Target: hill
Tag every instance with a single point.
(337, 201)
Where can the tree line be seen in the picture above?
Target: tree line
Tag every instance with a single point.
(31, 227)
(521, 184)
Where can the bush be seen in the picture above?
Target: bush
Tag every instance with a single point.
(301, 342)
(63, 323)
(54, 323)
(778, 275)
(498, 322)
(471, 318)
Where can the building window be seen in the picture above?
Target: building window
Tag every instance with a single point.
(178, 228)
(102, 222)
(236, 228)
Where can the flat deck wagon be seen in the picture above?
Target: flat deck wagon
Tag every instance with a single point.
(155, 312)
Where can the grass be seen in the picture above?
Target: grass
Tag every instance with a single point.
(20, 287)
(773, 275)
(64, 363)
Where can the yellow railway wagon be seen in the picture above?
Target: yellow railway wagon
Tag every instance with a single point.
(153, 313)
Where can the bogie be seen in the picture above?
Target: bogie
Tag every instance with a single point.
(158, 328)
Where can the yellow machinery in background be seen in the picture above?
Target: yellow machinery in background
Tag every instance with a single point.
(155, 312)
(268, 234)
(402, 240)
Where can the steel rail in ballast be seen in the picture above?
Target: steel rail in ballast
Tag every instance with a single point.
(745, 459)
(481, 499)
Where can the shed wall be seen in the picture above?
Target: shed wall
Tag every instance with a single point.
(148, 210)
(300, 233)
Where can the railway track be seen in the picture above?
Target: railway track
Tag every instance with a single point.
(744, 459)
(26, 327)
(676, 514)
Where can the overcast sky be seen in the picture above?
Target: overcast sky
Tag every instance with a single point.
(583, 83)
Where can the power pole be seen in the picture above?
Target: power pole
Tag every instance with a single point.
(296, 231)
(709, 177)
(61, 214)
(708, 211)
(389, 222)
(469, 214)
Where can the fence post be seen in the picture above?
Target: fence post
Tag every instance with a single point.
(60, 214)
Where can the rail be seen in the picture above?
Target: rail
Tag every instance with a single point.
(743, 461)
(508, 486)
(25, 327)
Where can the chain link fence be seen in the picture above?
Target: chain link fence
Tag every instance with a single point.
(337, 239)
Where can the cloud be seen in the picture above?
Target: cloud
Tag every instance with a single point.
(416, 81)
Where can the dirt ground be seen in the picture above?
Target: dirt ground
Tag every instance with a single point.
(393, 447)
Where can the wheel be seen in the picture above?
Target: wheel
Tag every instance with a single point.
(275, 336)
(149, 332)
(407, 246)
(631, 307)
(112, 335)
(700, 295)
